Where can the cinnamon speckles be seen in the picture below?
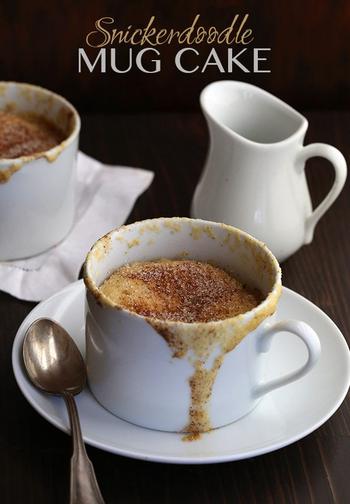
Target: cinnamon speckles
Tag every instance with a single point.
(197, 232)
(103, 248)
(185, 291)
(174, 227)
(231, 241)
(133, 243)
(149, 226)
(208, 230)
(26, 134)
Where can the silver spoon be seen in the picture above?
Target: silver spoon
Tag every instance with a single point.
(55, 365)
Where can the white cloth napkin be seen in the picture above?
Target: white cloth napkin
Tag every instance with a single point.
(105, 196)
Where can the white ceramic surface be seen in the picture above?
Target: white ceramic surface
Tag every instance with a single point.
(131, 368)
(254, 174)
(37, 201)
(282, 417)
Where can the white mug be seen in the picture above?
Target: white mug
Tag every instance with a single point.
(37, 191)
(254, 175)
(177, 376)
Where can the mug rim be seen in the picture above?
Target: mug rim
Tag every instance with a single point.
(268, 304)
(57, 149)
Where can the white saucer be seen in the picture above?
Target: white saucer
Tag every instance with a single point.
(284, 416)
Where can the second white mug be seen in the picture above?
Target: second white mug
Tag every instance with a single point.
(37, 191)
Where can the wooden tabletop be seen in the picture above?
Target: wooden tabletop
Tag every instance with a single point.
(34, 456)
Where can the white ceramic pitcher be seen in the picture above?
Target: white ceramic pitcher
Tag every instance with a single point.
(254, 175)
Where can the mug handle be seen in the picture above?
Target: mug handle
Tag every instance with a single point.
(339, 164)
(309, 338)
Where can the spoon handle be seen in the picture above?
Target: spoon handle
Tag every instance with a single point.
(84, 488)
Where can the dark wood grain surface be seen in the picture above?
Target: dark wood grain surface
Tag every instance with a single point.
(34, 456)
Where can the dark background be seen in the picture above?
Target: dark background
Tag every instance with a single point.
(310, 57)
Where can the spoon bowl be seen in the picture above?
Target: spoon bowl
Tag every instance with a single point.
(52, 359)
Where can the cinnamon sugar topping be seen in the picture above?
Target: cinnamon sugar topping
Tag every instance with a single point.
(26, 135)
(179, 290)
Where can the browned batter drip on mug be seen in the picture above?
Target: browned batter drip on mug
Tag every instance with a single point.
(27, 134)
(184, 291)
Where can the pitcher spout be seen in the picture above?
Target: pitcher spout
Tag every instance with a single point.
(250, 113)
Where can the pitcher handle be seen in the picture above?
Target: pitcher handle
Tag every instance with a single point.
(338, 161)
(310, 339)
